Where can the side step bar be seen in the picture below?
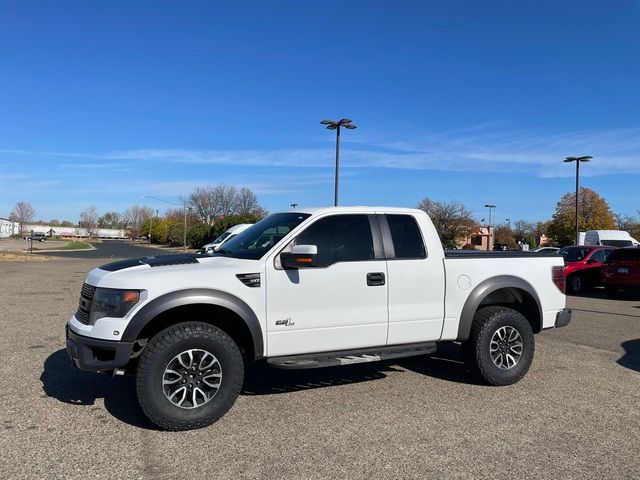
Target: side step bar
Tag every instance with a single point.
(349, 357)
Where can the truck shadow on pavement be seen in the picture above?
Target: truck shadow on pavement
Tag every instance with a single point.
(62, 381)
(631, 357)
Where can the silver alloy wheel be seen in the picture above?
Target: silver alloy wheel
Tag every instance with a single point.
(192, 378)
(506, 347)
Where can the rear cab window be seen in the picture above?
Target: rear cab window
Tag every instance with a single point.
(407, 239)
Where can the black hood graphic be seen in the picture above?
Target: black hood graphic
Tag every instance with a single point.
(155, 261)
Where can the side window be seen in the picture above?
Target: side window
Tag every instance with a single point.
(407, 240)
(340, 238)
(598, 256)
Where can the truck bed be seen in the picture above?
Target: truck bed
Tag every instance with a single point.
(453, 254)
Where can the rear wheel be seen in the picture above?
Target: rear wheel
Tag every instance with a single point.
(189, 375)
(500, 347)
(575, 283)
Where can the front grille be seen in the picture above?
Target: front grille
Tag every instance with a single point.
(84, 307)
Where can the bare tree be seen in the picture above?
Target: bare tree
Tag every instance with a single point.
(89, 220)
(209, 203)
(203, 203)
(134, 217)
(452, 220)
(247, 203)
(225, 199)
(24, 214)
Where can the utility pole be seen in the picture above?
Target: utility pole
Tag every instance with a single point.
(184, 208)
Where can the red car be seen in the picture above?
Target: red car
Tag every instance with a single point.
(621, 270)
(583, 265)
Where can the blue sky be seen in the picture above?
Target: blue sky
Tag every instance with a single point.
(103, 102)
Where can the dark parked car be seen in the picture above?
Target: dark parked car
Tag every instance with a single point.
(37, 237)
(582, 266)
(621, 270)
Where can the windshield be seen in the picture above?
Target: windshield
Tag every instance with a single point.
(221, 238)
(617, 243)
(258, 239)
(574, 254)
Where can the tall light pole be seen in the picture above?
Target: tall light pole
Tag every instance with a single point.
(333, 125)
(489, 206)
(184, 211)
(585, 158)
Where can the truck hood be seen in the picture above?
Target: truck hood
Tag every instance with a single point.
(170, 272)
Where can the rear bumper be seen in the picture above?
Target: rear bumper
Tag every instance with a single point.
(97, 355)
(563, 318)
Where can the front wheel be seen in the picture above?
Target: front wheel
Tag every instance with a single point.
(189, 375)
(500, 347)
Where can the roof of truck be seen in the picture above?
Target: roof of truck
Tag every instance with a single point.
(353, 209)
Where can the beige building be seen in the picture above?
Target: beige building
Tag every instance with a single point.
(478, 238)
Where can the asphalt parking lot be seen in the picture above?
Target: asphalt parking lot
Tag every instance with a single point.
(575, 415)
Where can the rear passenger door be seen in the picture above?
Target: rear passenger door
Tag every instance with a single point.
(415, 282)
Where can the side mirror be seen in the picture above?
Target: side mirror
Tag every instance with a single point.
(591, 260)
(300, 256)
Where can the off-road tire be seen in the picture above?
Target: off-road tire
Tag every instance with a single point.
(165, 346)
(486, 322)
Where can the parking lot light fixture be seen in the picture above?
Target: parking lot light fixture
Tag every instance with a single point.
(578, 160)
(489, 206)
(335, 125)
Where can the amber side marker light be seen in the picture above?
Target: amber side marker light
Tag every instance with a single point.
(304, 260)
(131, 296)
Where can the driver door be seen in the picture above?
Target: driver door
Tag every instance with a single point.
(339, 304)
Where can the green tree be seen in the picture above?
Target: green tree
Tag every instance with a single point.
(175, 236)
(110, 220)
(198, 235)
(593, 214)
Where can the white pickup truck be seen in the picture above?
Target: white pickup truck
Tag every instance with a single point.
(306, 289)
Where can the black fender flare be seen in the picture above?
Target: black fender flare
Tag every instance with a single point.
(480, 292)
(193, 296)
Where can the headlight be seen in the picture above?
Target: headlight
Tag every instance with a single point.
(110, 302)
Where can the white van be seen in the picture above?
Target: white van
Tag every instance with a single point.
(611, 238)
(226, 236)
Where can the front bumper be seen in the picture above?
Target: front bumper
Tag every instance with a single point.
(563, 318)
(97, 355)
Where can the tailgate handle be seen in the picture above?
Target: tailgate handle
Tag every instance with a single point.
(375, 279)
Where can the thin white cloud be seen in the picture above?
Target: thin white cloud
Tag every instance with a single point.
(484, 148)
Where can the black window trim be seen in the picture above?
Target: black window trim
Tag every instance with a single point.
(387, 239)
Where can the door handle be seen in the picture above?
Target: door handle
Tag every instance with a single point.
(375, 279)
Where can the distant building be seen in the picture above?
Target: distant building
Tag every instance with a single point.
(479, 237)
(8, 227)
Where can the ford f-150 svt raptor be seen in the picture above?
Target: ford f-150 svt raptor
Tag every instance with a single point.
(305, 289)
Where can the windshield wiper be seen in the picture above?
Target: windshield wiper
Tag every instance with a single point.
(222, 251)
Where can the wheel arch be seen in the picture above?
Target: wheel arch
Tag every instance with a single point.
(218, 308)
(503, 290)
